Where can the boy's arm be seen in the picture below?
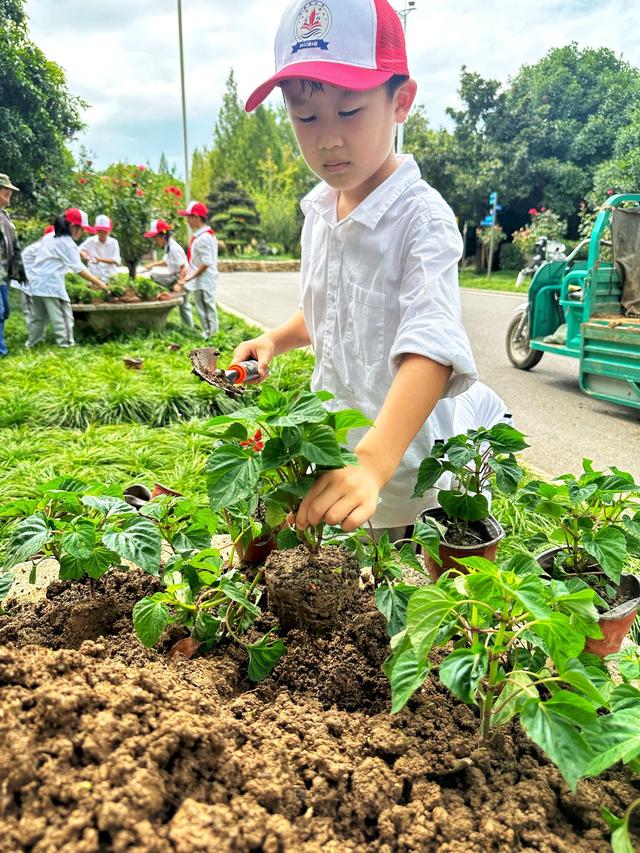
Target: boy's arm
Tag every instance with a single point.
(349, 496)
(289, 335)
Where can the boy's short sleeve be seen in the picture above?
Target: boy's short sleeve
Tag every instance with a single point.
(207, 250)
(116, 251)
(430, 323)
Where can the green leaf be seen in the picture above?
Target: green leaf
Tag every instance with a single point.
(551, 726)
(508, 474)
(609, 548)
(392, 603)
(462, 670)
(405, 671)
(463, 506)
(580, 606)
(263, 656)
(428, 534)
(27, 538)
(557, 637)
(74, 568)
(618, 740)
(305, 409)
(6, 582)
(460, 455)
(319, 446)
(621, 840)
(429, 473)
(428, 609)
(517, 690)
(80, 540)
(248, 414)
(107, 505)
(232, 474)
(271, 400)
(573, 672)
(206, 627)
(236, 591)
(346, 420)
(136, 539)
(504, 438)
(191, 539)
(287, 538)
(280, 450)
(150, 618)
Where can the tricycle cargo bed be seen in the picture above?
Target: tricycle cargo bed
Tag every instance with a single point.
(610, 359)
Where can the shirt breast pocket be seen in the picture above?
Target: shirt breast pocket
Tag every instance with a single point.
(364, 324)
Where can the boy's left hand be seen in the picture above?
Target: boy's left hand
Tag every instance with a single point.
(347, 497)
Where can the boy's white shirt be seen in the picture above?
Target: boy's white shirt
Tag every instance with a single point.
(379, 284)
(174, 256)
(204, 250)
(56, 257)
(478, 407)
(109, 250)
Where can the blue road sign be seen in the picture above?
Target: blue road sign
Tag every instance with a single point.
(493, 197)
(488, 220)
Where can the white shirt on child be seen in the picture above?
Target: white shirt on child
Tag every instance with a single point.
(478, 407)
(56, 257)
(109, 250)
(204, 250)
(29, 255)
(174, 257)
(379, 284)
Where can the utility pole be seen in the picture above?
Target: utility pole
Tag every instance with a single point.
(184, 108)
(410, 5)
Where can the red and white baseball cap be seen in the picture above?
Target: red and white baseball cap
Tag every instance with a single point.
(158, 226)
(195, 208)
(102, 223)
(78, 217)
(48, 229)
(354, 44)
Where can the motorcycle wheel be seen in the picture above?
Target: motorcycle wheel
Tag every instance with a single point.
(518, 350)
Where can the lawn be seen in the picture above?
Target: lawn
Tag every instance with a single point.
(504, 280)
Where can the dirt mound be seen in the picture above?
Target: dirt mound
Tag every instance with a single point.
(99, 756)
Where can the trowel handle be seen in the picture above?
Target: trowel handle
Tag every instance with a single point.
(244, 371)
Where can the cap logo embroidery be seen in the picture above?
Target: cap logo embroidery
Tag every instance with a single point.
(313, 22)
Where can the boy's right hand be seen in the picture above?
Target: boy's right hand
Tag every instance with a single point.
(261, 349)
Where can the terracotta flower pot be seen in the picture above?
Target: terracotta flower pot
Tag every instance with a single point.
(488, 528)
(257, 550)
(137, 495)
(614, 623)
(159, 489)
(133, 363)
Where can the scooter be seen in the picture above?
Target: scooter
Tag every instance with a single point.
(544, 250)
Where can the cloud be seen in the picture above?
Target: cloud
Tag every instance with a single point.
(122, 58)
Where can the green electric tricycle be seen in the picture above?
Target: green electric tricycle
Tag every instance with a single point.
(589, 309)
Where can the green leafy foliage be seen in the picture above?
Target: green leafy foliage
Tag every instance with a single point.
(595, 520)
(518, 650)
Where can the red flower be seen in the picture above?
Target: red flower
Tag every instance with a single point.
(82, 180)
(542, 209)
(139, 192)
(142, 168)
(610, 191)
(256, 444)
(533, 211)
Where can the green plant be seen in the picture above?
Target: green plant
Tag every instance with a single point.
(79, 290)
(146, 288)
(544, 223)
(596, 523)
(85, 528)
(471, 460)
(511, 257)
(276, 450)
(518, 641)
(214, 602)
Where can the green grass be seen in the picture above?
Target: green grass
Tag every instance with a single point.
(501, 280)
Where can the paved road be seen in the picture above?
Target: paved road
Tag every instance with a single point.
(563, 424)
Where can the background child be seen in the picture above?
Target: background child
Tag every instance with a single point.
(29, 255)
(173, 265)
(10, 256)
(380, 248)
(56, 257)
(101, 250)
(202, 276)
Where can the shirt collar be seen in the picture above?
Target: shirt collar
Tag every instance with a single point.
(323, 199)
(201, 230)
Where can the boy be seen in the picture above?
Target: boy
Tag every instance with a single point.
(202, 277)
(101, 251)
(173, 265)
(379, 289)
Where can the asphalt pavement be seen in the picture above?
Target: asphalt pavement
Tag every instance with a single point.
(562, 423)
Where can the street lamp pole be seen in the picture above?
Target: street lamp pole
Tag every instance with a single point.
(184, 108)
(409, 6)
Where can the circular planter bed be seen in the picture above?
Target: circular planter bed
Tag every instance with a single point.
(124, 316)
(108, 746)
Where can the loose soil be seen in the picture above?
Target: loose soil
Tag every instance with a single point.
(108, 746)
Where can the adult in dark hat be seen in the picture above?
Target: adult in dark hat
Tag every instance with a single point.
(10, 257)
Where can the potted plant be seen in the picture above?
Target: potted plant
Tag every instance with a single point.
(269, 455)
(595, 533)
(471, 460)
(511, 643)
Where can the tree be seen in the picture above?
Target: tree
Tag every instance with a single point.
(233, 215)
(37, 113)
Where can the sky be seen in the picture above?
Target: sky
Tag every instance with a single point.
(122, 57)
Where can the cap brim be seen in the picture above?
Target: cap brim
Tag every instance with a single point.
(152, 234)
(333, 73)
(184, 213)
(88, 228)
(102, 228)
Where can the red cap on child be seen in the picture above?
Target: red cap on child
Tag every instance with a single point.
(354, 44)
(195, 208)
(78, 217)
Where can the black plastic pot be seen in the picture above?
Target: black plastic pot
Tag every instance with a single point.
(614, 623)
(488, 528)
